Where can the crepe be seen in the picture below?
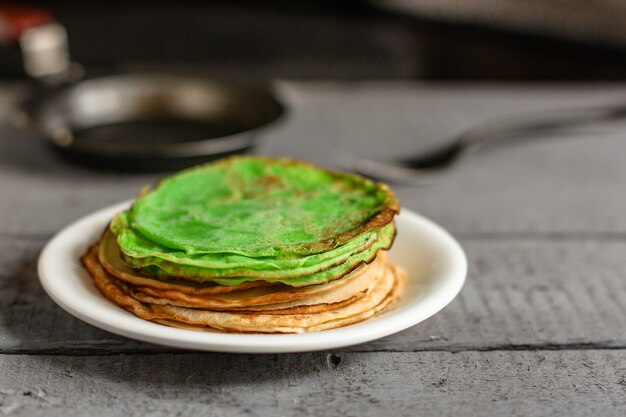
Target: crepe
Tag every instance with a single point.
(260, 207)
(241, 296)
(252, 245)
(365, 293)
(323, 271)
(279, 297)
(109, 257)
(386, 291)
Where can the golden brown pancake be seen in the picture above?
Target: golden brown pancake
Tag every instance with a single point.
(386, 291)
(281, 297)
(364, 293)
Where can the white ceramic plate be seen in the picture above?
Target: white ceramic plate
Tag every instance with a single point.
(435, 263)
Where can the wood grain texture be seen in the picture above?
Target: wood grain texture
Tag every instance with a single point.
(347, 384)
(520, 294)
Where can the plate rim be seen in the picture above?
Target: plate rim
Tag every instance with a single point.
(139, 329)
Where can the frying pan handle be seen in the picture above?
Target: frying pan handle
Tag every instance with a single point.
(15, 20)
(42, 41)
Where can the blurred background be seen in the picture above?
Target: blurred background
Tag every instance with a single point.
(351, 40)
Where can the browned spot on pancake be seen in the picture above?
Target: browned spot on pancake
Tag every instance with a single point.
(269, 180)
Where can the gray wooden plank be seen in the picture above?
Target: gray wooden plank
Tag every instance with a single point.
(569, 185)
(571, 383)
(520, 294)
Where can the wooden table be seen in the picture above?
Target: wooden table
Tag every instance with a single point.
(539, 328)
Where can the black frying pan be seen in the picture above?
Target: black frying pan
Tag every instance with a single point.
(131, 121)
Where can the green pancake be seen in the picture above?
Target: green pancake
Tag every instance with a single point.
(257, 207)
(167, 269)
(209, 266)
(145, 252)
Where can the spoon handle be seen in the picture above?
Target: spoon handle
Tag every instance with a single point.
(512, 127)
(431, 167)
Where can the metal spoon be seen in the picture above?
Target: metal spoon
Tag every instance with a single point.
(430, 167)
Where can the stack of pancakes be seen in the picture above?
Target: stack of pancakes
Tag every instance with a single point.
(254, 245)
